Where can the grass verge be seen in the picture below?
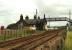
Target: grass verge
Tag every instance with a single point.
(68, 41)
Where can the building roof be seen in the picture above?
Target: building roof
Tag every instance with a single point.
(25, 22)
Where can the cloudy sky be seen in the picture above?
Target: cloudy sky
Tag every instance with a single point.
(10, 10)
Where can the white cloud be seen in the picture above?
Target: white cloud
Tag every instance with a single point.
(10, 10)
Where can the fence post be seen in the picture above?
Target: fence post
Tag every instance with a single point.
(16, 33)
(4, 35)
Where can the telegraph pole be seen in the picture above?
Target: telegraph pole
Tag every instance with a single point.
(69, 19)
(49, 21)
(69, 15)
(36, 12)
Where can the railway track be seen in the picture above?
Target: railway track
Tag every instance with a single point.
(25, 42)
(35, 43)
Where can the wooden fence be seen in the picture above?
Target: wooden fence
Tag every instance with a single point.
(13, 34)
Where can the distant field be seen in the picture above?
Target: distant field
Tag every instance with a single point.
(68, 42)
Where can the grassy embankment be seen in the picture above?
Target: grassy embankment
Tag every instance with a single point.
(68, 42)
